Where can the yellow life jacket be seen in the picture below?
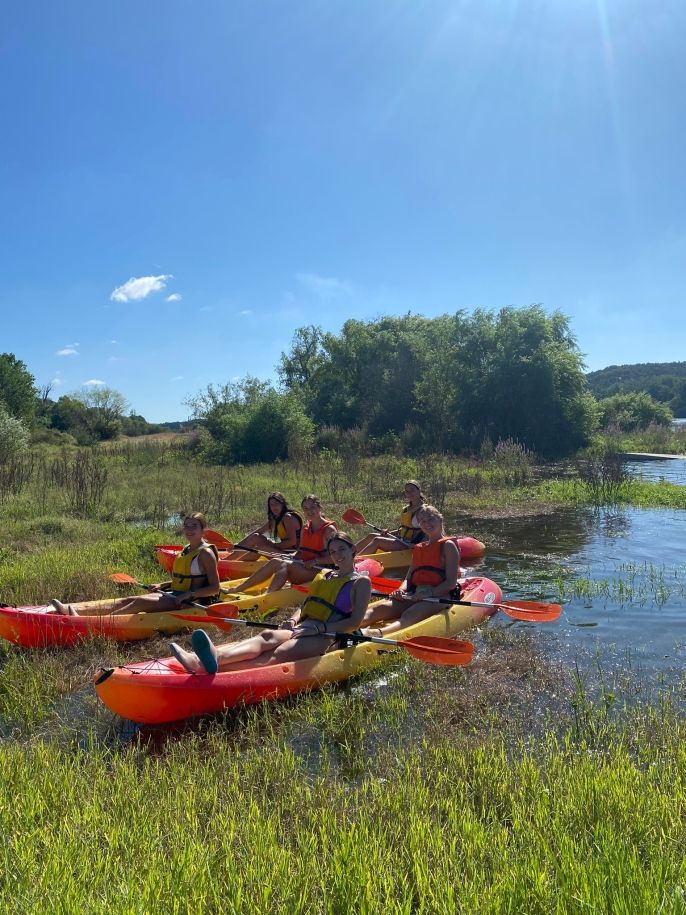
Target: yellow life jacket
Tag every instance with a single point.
(182, 578)
(407, 530)
(280, 531)
(324, 599)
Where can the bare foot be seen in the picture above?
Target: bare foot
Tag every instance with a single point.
(187, 659)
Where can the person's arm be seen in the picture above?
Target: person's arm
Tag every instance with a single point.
(401, 592)
(161, 586)
(451, 561)
(208, 563)
(359, 598)
(291, 540)
(292, 620)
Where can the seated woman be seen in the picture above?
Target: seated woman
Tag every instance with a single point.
(283, 523)
(314, 539)
(407, 534)
(434, 572)
(335, 606)
(195, 577)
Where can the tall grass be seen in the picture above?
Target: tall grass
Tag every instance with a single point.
(571, 824)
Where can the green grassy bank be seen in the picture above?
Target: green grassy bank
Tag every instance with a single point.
(498, 788)
(588, 817)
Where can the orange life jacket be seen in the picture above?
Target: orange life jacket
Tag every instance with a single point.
(312, 542)
(428, 563)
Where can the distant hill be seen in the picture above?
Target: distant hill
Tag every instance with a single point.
(179, 426)
(665, 381)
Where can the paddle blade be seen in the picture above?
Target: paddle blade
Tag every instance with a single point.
(531, 610)
(122, 578)
(223, 610)
(352, 516)
(433, 650)
(385, 585)
(219, 540)
(207, 620)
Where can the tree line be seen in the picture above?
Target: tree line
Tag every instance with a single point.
(663, 381)
(455, 383)
(452, 383)
(86, 417)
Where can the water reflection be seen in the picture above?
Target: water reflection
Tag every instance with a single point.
(621, 574)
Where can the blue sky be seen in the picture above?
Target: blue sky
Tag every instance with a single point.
(256, 166)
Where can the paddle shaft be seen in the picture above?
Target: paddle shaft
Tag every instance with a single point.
(545, 613)
(354, 637)
(386, 533)
(439, 600)
(189, 603)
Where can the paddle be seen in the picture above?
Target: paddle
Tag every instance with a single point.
(431, 649)
(531, 610)
(121, 578)
(220, 541)
(352, 516)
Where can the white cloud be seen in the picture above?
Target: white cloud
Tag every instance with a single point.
(174, 297)
(139, 287)
(326, 287)
(113, 341)
(246, 311)
(93, 383)
(177, 378)
(56, 381)
(206, 308)
(68, 350)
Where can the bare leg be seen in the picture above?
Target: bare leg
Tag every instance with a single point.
(415, 613)
(144, 603)
(249, 649)
(62, 609)
(373, 542)
(273, 567)
(384, 610)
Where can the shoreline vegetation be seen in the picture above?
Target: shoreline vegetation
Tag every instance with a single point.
(517, 784)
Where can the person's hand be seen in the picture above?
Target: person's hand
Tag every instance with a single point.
(287, 624)
(152, 588)
(385, 533)
(399, 595)
(186, 597)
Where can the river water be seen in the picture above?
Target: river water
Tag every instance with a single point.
(619, 573)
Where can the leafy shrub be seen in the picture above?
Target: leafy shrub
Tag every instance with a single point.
(634, 411)
(14, 436)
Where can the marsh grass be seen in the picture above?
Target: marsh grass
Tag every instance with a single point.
(640, 583)
(639, 493)
(589, 818)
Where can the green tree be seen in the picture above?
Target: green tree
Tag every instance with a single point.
(450, 381)
(519, 374)
(17, 389)
(678, 402)
(250, 421)
(13, 435)
(633, 411)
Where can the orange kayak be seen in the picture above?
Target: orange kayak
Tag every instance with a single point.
(153, 692)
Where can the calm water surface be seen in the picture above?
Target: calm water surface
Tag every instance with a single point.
(620, 574)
